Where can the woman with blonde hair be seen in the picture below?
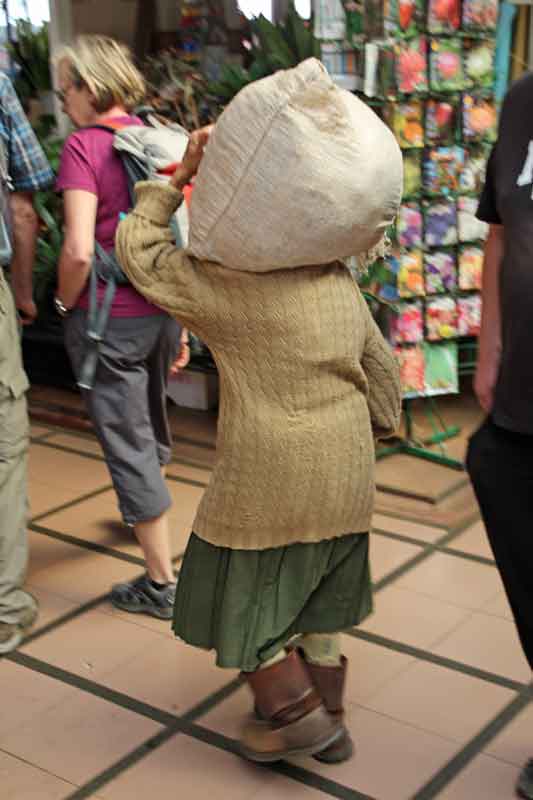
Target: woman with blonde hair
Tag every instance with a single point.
(99, 86)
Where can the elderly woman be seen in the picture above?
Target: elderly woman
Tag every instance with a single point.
(99, 87)
(297, 174)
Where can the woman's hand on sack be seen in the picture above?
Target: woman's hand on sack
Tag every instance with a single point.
(192, 158)
(184, 355)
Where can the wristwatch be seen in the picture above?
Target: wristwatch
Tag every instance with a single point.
(60, 307)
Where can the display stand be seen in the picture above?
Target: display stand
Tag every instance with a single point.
(422, 448)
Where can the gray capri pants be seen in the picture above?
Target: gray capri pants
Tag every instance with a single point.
(127, 405)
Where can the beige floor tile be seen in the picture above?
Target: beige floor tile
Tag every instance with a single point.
(370, 668)
(93, 644)
(515, 743)
(189, 769)
(453, 580)
(38, 430)
(386, 555)
(171, 676)
(280, 788)
(411, 755)
(79, 739)
(441, 700)
(43, 497)
(160, 626)
(414, 619)
(474, 540)
(200, 474)
(30, 693)
(72, 571)
(85, 444)
(490, 643)
(425, 533)
(485, 778)
(73, 471)
(499, 607)
(22, 781)
(51, 606)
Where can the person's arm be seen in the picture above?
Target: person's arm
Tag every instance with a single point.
(24, 229)
(78, 244)
(490, 343)
(383, 375)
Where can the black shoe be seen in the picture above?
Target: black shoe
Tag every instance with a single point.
(141, 597)
(524, 785)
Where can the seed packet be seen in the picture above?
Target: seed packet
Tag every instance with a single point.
(379, 70)
(442, 167)
(443, 16)
(479, 63)
(412, 370)
(411, 274)
(469, 315)
(411, 65)
(470, 267)
(407, 123)
(441, 371)
(479, 118)
(409, 16)
(409, 226)
(354, 11)
(441, 318)
(446, 65)
(412, 173)
(472, 176)
(440, 271)
(441, 121)
(480, 15)
(440, 224)
(407, 325)
(470, 228)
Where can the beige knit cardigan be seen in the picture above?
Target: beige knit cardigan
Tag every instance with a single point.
(306, 382)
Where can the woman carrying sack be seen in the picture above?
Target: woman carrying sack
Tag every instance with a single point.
(297, 174)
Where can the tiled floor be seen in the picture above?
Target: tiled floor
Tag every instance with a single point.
(99, 703)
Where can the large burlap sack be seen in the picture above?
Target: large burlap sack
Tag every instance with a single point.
(297, 172)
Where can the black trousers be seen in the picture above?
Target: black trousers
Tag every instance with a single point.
(500, 465)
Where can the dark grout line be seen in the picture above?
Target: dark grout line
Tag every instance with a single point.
(194, 442)
(86, 545)
(474, 747)
(174, 725)
(441, 661)
(452, 551)
(81, 499)
(186, 481)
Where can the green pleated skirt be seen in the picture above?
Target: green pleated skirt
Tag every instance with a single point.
(247, 604)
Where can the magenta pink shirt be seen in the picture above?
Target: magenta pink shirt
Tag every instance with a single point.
(89, 162)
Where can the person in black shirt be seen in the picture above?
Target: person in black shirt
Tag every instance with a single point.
(500, 453)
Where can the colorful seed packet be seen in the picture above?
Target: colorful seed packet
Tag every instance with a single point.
(407, 124)
(441, 122)
(442, 168)
(441, 373)
(409, 16)
(407, 324)
(469, 315)
(411, 274)
(410, 225)
(440, 271)
(446, 65)
(472, 175)
(470, 267)
(479, 63)
(441, 318)
(479, 118)
(412, 370)
(480, 15)
(443, 16)
(470, 228)
(412, 173)
(440, 224)
(411, 65)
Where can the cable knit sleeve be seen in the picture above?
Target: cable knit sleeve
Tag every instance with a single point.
(146, 251)
(383, 375)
